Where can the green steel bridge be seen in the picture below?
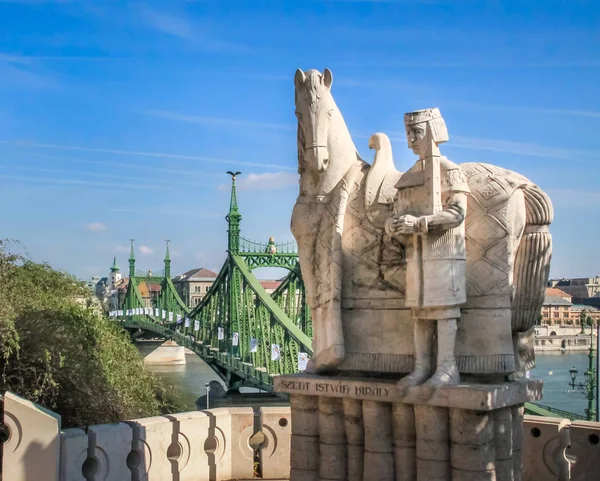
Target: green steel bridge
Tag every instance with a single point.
(243, 333)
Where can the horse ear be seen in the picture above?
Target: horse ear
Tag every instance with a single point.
(299, 78)
(327, 78)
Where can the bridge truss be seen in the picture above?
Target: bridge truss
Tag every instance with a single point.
(244, 333)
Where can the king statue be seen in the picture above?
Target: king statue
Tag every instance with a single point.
(428, 218)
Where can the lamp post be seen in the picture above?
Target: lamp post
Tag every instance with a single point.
(207, 386)
(589, 386)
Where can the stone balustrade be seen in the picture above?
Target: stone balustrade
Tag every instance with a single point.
(229, 443)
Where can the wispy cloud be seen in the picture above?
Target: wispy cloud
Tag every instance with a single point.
(122, 249)
(16, 59)
(16, 166)
(198, 119)
(536, 110)
(168, 23)
(574, 197)
(96, 226)
(373, 84)
(145, 250)
(170, 211)
(391, 2)
(475, 63)
(13, 70)
(521, 148)
(512, 147)
(144, 154)
(120, 165)
(187, 28)
(74, 182)
(267, 181)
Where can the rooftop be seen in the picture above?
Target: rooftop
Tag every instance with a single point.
(554, 292)
(556, 301)
(198, 274)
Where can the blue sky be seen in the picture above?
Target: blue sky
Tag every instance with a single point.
(119, 119)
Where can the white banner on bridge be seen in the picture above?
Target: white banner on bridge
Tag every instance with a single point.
(187, 322)
(170, 317)
(196, 325)
(253, 345)
(156, 312)
(302, 361)
(146, 310)
(220, 333)
(179, 320)
(275, 352)
(164, 314)
(236, 339)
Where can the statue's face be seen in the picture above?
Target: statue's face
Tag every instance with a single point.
(415, 136)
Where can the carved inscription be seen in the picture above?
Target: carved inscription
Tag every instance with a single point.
(352, 389)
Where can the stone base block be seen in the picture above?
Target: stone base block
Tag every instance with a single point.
(358, 429)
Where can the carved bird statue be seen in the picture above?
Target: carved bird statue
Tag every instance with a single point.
(233, 174)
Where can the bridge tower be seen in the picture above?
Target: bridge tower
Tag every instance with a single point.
(167, 262)
(115, 275)
(234, 218)
(131, 260)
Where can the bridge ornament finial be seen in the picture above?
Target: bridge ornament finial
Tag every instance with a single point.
(271, 247)
(233, 218)
(416, 333)
(167, 261)
(131, 259)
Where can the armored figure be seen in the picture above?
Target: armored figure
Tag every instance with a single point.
(428, 218)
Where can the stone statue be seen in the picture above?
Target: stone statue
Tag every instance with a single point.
(360, 281)
(428, 217)
(390, 259)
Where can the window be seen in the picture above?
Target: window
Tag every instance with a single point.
(556, 314)
(196, 301)
(207, 288)
(196, 288)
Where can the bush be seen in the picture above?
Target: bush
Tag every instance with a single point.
(64, 356)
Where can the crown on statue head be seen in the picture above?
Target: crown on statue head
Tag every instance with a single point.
(420, 116)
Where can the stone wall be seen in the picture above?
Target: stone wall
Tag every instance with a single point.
(201, 445)
(217, 445)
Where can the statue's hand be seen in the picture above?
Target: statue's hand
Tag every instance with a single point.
(401, 224)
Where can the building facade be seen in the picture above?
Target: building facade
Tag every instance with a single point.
(559, 310)
(194, 284)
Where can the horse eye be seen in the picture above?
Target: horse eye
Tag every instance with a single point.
(330, 113)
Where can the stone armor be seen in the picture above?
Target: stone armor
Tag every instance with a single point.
(436, 260)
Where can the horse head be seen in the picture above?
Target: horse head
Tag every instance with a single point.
(315, 110)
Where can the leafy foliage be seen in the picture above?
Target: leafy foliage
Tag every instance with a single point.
(59, 353)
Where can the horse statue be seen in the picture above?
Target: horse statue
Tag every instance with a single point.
(355, 273)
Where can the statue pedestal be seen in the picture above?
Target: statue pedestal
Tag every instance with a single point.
(347, 428)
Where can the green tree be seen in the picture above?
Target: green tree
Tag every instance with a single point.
(64, 356)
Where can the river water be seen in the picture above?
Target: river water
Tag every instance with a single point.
(553, 368)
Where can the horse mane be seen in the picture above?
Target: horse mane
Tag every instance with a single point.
(301, 149)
